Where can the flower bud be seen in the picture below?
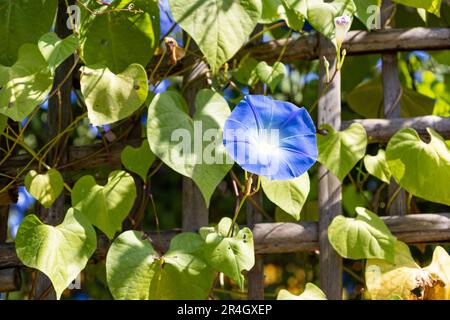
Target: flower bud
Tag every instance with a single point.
(342, 25)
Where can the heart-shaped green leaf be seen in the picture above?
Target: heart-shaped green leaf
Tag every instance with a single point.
(229, 254)
(191, 146)
(353, 198)
(138, 160)
(136, 271)
(422, 169)
(118, 39)
(270, 11)
(289, 195)
(246, 72)
(105, 206)
(377, 166)
(44, 187)
(109, 97)
(292, 11)
(270, 75)
(321, 14)
(339, 151)
(24, 85)
(56, 50)
(60, 252)
(363, 237)
(367, 100)
(312, 292)
(19, 25)
(219, 27)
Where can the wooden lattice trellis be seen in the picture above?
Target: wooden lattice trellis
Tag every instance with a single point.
(271, 237)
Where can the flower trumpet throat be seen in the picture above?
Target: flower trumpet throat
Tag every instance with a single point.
(342, 26)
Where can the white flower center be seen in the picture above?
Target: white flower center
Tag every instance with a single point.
(268, 145)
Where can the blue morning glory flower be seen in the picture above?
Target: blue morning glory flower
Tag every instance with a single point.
(271, 138)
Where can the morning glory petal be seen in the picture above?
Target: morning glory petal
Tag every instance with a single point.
(271, 138)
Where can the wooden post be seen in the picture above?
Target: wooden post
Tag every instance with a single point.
(256, 274)
(195, 213)
(392, 95)
(59, 118)
(329, 111)
(10, 280)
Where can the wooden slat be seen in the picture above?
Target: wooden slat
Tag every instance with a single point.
(357, 43)
(381, 130)
(295, 237)
(269, 238)
(330, 189)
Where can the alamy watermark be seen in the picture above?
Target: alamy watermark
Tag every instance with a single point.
(259, 147)
(74, 12)
(374, 19)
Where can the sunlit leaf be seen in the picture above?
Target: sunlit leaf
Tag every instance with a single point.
(339, 151)
(105, 206)
(421, 168)
(312, 292)
(45, 187)
(60, 252)
(230, 253)
(24, 85)
(270, 75)
(135, 271)
(289, 195)
(363, 237)
(56, 50)
(138, 160)
(177, 139)
(321, 14)
(110, 97)
(377, 166)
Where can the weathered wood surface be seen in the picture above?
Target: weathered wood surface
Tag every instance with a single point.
(84, 157)
(295, 237)
(381, 130)
(427, 228)
(330, 187)
(357, 43)
(10, 280)
(392, 93)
